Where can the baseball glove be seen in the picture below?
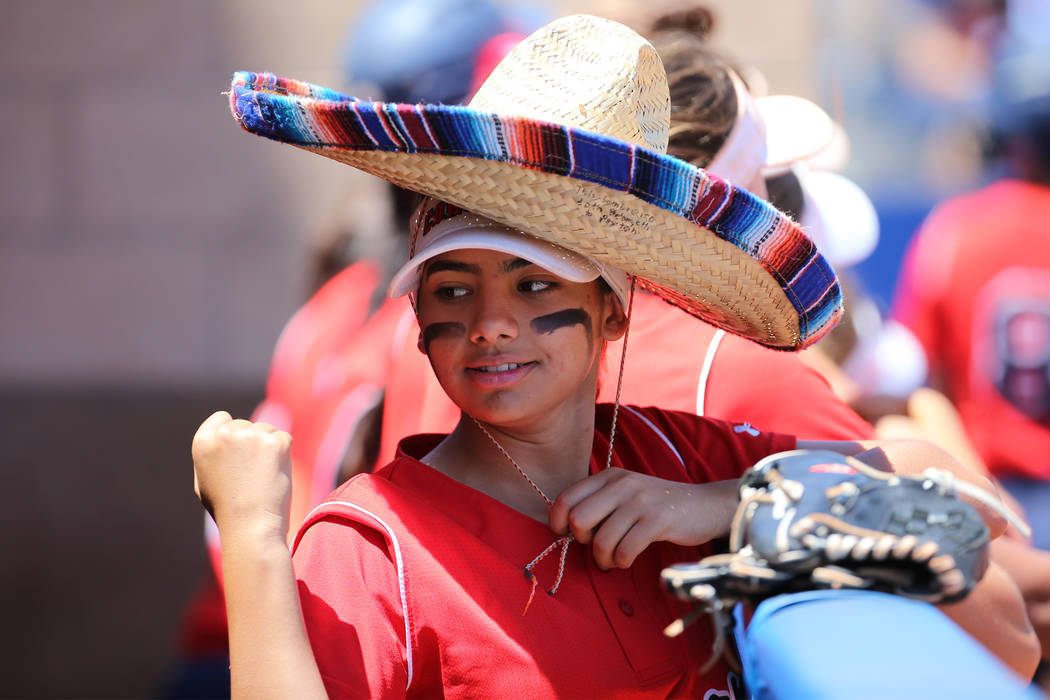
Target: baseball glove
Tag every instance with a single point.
(816, 519)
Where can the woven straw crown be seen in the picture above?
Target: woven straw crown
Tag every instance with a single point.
(589, 73)
(565, 141)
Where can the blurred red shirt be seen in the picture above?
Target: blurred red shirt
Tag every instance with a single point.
(975, 290)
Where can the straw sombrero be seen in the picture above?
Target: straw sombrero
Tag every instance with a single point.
(566, 141)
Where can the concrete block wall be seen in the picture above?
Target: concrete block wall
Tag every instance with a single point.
(144, 240)
(150, 252)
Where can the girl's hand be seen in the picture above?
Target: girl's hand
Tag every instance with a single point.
(622, 512)
(242, 474)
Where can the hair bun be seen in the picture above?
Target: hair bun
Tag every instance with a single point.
(697, 20)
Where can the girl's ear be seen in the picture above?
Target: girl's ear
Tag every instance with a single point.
(614, 318)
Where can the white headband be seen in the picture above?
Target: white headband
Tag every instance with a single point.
(742, 155)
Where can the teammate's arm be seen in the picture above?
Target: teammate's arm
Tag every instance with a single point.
(994, 612)
(242, 475)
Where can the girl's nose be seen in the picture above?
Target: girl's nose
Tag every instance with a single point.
(494, 320)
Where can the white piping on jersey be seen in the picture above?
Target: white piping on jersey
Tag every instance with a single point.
(709, 359)
(658, 432)
(400, 575)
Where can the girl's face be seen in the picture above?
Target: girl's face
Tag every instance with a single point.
(509, 341)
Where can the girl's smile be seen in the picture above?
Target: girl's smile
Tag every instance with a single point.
(499, 374)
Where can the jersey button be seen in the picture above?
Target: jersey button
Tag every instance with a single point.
(626, 608)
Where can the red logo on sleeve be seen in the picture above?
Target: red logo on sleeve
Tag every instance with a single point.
(833, 468)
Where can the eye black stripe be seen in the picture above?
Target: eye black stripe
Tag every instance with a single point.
(445, 329)
(562, 319)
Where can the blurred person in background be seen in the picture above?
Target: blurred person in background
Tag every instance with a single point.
(409, 51)
(975, 289)
(878, 366)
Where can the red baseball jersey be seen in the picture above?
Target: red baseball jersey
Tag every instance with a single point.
(412, 582)
(975, 290)
(674, 361)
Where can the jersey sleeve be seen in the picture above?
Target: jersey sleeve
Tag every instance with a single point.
(716, 450)
(778, 391)
(350, 596)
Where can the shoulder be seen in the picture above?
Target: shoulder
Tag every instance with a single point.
(355, 512)
(654, 422)
(778, 391)
(654, 440)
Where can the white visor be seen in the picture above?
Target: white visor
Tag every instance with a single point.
(467, 230)
(770, 134)
(796, 130)
(743, 154)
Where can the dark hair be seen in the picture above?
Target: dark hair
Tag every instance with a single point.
(1019, 133)
(703, 99)
(696, 20)
(785, 193)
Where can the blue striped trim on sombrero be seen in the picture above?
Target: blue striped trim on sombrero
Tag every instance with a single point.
(303, 114)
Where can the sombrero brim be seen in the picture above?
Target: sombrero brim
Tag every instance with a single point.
(719, 252)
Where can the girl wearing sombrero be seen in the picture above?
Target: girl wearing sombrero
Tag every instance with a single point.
(519, 554)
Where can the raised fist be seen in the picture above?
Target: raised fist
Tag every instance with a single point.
(242, 472)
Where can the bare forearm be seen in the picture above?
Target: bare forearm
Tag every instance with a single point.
(270, 654)
(912, 458)
(994, 614)
(1030, 570)
(719, 503)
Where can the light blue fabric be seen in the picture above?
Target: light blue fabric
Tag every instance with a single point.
(861, 644)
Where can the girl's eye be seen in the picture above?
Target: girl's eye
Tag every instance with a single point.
(452, 292)
(534, 286)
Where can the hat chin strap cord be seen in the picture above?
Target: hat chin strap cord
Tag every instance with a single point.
(619, 375)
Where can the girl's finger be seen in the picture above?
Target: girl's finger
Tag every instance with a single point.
(607, 538)
(567, 499)
(587, 515)
(642, 534)
(214, 422)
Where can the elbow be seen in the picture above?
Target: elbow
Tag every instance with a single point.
(994, 614)
(1023, 652)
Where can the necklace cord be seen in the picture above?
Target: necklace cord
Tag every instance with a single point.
(562, 542)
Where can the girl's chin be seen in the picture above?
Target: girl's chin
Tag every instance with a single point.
(520, 413)
(504, 416)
